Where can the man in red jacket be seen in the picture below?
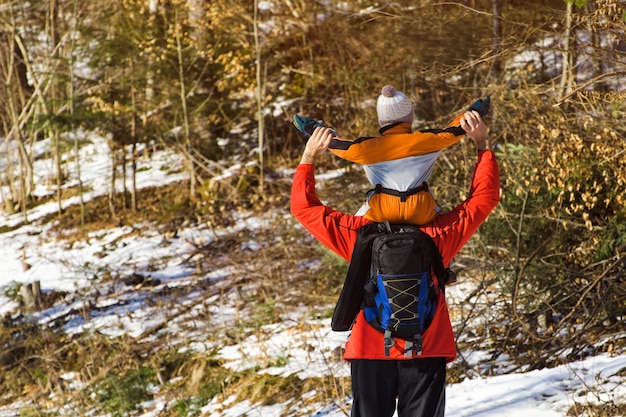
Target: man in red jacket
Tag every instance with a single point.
(378, 380)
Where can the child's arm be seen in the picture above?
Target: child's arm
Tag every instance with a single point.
(396, 144)
(371, 150)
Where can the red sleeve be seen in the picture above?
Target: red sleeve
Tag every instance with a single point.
(453, 229)
(336, 230)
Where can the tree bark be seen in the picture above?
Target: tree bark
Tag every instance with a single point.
(259, 96)
(497, 37)
(71, 110)
(568, 55)
(196, 11)
(186, 128)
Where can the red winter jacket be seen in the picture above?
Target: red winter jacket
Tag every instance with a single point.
(450, 231)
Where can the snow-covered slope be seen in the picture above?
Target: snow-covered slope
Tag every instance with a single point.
(300, 345)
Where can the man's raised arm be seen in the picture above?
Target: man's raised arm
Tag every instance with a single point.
(457, 226)
(334, 229)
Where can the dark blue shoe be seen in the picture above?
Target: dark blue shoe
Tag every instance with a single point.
(306, 125)
(481, 106)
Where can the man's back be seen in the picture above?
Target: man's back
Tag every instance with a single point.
(450, 231)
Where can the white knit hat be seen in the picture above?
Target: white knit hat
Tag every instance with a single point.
(393, 107)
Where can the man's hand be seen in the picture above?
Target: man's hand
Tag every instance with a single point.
(476, 129)
(317, 143)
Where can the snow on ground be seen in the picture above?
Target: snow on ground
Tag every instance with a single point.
(302, 346)
(541, 393)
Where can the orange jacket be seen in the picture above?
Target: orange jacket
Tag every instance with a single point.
(418, 209)
(399, 159)
(397, 141)
(450, 231)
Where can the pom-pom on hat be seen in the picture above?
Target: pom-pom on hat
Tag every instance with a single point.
(393, 107)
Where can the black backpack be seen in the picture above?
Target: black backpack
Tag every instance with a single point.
(390, 277)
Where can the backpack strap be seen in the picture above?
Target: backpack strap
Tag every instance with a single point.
(413, 347)
(402, 194)
(444, 275)
(352, 292)
(388, 342)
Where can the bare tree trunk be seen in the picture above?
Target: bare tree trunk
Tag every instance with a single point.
(153, 7)
(31, 296)
(196, 18)
(124, 176)
(595, 40)
(186, 128)
(23, 191)
(71, 110)
(7, 51)
(113, 178)
(133, 177)
(133, 135)
(59, 168)
(53, 18)
(20, 118)
(497, 37)
(9, 201)
(259, 96)
(14, 70)
(8, 206)
(567, 77)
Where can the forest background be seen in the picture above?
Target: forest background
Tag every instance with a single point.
(217, 82)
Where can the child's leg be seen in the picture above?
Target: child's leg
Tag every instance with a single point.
(306, 125)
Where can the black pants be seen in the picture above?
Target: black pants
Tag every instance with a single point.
(418, 384)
